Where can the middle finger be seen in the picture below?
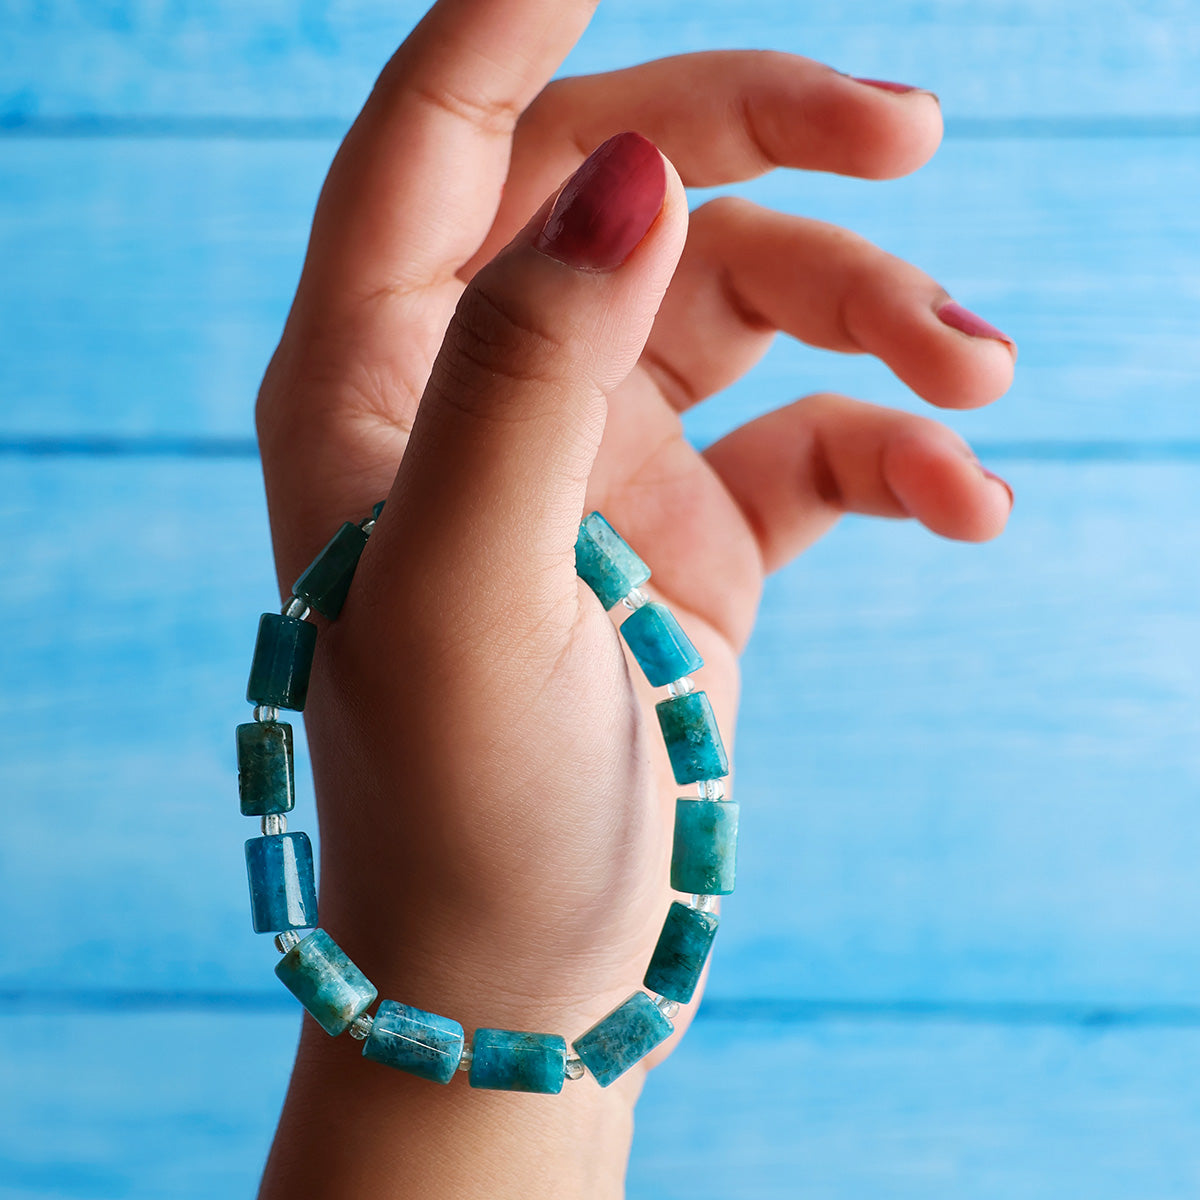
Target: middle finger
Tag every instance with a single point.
(720, 117)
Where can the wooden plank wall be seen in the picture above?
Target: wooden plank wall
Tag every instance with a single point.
(964, 958)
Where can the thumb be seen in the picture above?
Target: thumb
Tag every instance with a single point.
(491, 489)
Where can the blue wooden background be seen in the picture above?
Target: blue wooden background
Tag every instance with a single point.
(964, 960)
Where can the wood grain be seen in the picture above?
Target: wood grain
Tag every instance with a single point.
(967, 773)
(963, 957)
(832, 1110)
(998, 57)
(155, 278)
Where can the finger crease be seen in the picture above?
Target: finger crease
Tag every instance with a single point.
(487, 321)
(493, 117)
(657, 456)
(402, 288)
(671, 382)
(824, 479)
(573, 138)
(767, 160)
(463, 372)
(849, 343)
(742, 310)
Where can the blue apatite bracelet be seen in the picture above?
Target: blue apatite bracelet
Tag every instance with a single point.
(279, 864)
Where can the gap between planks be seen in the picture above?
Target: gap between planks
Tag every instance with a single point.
(152, 446)
(324, 128)
(785, 1011)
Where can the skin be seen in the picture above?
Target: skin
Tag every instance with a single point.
(495, 805)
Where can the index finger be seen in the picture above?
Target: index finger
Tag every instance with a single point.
(720, 116)
(416, 183)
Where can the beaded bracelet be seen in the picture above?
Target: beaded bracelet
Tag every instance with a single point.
(279, 864)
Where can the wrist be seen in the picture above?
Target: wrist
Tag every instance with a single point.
(353, 1128)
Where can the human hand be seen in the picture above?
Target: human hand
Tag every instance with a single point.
(495, 804)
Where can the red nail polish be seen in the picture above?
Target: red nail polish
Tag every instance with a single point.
(1002, 482)
(886, 85)
(965, 321)
(607, 206)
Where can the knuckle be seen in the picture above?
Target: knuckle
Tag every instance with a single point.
(495, 336)
(549, 116)
(718, 226)
(723, 210)
(820, 407)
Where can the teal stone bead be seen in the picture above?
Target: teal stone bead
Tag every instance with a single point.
(282, 661)
(317, 972)
(266, 776)
(678, 959)
(421, 1043)
(604, 561)
(326, 581)
(663, 651)
(507, 1061)
(693, 741)
(376, 509)
(704, 857)
(624, 1037)
(283, 889)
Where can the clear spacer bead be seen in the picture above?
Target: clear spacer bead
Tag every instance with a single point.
(681, 686)
(711, 789)
(368, 525)
(286, 940)
(267, 714)
(274, 823)
(703, 903)
(295, 607)
(360, 1029)
(635, 599)
(464, 1063)
(668, 1008)
(575, 1068)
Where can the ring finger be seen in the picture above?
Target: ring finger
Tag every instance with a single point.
(748, 271)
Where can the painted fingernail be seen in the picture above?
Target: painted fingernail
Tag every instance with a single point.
(886, 85)
(1002, 482)
(965, 321)
(607, 206)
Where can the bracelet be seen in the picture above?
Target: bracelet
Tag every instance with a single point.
(279, 864)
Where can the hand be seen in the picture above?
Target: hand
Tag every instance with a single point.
(495, 802)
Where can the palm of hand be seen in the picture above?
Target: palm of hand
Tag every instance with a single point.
(495, 804)
(532, 830)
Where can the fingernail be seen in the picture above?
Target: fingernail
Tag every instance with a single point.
(607, 206)
(886, 85)
(965, 321)
(1002, 482)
